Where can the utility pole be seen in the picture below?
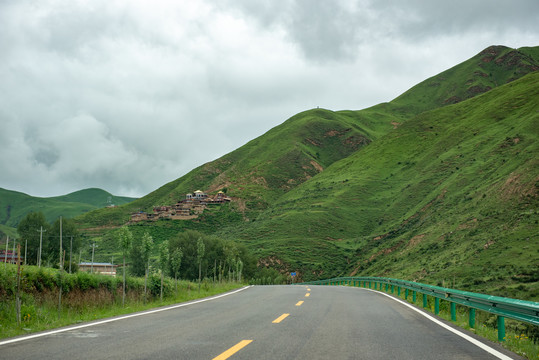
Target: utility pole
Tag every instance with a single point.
(13, 256)
(61, 242)
(25, 250)
(18, 294)
(61, 268)
(70, 253)
(7, 246)
(93, 249)
(40, 246)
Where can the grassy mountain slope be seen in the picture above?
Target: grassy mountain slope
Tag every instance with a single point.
(492, 67)
(287, 155)
(450, 194)
(15, 205)
(385, 190)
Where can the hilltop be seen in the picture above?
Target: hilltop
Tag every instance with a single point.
(436, 185)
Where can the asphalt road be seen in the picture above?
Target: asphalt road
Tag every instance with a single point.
(323, 322)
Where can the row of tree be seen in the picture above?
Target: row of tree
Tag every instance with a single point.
(37, 235)
(189, 255)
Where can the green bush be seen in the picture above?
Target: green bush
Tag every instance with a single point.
(86, 281)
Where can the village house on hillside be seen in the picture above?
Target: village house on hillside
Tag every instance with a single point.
(191, 207)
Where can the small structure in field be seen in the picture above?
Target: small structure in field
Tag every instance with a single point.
(98, 268)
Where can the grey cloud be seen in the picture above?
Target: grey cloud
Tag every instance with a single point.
(338, 30)
(111, 94)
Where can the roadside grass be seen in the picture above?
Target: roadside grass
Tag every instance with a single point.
(98, 300)
(520, 338)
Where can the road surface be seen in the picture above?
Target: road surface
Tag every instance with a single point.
(263, 322)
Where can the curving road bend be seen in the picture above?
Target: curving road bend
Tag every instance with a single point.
(264, 322)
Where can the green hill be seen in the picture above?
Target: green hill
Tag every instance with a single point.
(436, 185)
(449, 195)
(15, 205)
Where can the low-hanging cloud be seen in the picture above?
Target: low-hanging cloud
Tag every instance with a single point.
(127, 96)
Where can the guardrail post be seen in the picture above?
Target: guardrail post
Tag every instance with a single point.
(387, 286)
(414, 296)
(406, 294)
(501, 328)
(392, 289)
(471, 318)
(436, 305)
(425, 302)
(453, 311)
(375, 285)
(398, 291)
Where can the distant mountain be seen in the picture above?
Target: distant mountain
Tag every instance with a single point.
(437, 185)
(15, 205)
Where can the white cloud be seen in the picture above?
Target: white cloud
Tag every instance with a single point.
(112, 93)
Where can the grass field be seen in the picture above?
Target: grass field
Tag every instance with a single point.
(85, 297)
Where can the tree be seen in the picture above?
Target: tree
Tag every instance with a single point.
(137, 263)
(175, 263)
(163, 260)
(125, 239)
(147, 245)
(217, 252)
(187, 241)
(239, 268)
(29, 231)
(200, 255)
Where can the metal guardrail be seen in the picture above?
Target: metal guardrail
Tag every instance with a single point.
(527, 311)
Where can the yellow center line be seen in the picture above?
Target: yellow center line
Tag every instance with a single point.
(280, 318)
(234, 349)
(299, 303)
(308, 289)
(308, 294)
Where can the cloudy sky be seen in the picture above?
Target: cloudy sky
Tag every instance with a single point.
(128, 95)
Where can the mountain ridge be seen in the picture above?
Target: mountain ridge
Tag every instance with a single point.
(14, 205)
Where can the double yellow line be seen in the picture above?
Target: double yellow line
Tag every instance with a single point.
(234, 349)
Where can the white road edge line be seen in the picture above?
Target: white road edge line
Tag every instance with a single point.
(52, 332)
(477, 343)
